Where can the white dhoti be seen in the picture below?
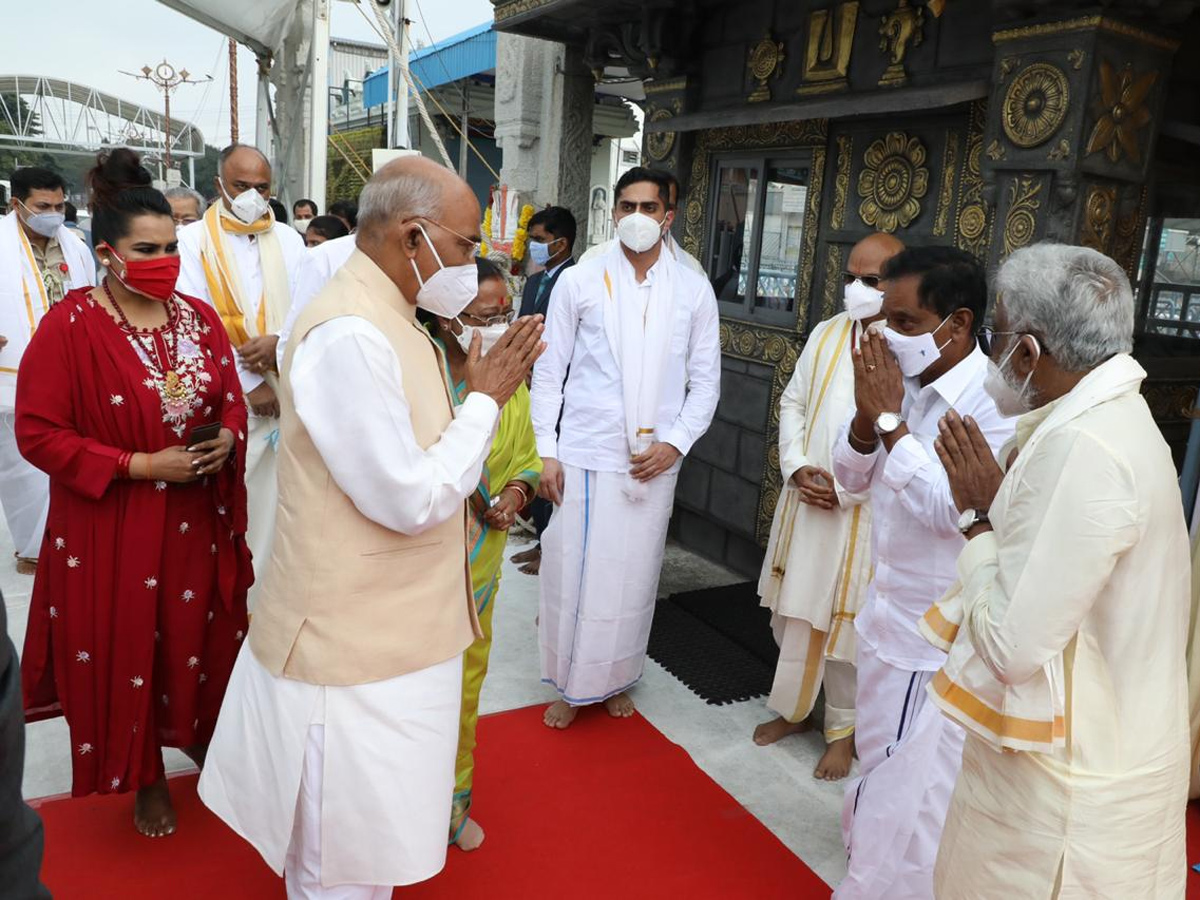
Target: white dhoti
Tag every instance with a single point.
(262, 494)
(348, 786)
(909, 756)
(803, 669)
(24, 493)
(601, 558)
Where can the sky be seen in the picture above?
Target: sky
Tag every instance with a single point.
(103, 39)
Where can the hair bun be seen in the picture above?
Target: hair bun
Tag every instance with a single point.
(115, 171)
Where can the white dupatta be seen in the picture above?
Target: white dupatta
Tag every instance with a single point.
(639, 335)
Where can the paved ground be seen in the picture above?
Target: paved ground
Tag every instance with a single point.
(774, 783)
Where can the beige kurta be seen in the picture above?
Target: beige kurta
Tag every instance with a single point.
(1088, 562)
(818, 562)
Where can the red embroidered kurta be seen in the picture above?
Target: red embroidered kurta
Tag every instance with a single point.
(139, 607)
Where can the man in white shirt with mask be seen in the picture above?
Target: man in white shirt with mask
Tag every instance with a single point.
(677, 252)
(926, 363)
(818, 560)
(638, 332)
(241, 261)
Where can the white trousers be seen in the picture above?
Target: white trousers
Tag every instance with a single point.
(802, 670)
(909, 758)
(262, 495)
(302, 872)
(24, 493)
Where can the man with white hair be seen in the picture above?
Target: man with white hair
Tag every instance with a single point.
(334, 752)
(1068, 626)
(187, 205)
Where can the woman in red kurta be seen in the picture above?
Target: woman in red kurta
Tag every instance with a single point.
(139, 606)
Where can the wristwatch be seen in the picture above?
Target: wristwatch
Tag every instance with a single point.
(886, 423)
(970, 518)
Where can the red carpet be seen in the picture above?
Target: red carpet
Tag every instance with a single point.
(605, 809)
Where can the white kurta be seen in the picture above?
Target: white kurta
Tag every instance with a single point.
(818, 561)
(593, 627)
(262, 433)
(894, 810)
(25, 490)
(1089, 560)
(673, 247)
(389, 746)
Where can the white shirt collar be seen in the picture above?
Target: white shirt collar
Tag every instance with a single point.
(952, 384)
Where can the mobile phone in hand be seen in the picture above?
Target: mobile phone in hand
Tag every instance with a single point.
(202, 433)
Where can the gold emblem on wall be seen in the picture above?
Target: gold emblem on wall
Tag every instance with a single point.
(1121, 112)
(1020, 222)
(1061, 152)
(1098, 214)
(827, 50)
(841, 180)
(941, 219)
(765, 63)
(900, 29)
(659, 144)
(1035, 104)
(973, 227)
(893, 180)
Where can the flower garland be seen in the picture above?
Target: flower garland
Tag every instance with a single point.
(521, 240)
(485, 246)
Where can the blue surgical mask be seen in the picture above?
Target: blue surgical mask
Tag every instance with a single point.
(539, 252)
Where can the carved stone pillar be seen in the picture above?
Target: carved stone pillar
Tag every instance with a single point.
(1072, 122)
(544, 101)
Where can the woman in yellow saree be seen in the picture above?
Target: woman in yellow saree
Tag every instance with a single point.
(509, 481)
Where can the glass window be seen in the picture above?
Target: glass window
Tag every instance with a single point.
(1173, 306)
(783, 227)
(729, 256)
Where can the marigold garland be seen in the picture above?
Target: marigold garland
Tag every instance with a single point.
(485, 247)
(521, 240)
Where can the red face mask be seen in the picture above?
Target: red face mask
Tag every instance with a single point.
(153, 278)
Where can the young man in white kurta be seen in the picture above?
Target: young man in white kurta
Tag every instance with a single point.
(336, 768)
(818, 560)
(251, 285)
(602, 552)
(908, 753)
(36, 270)
(1068, 668)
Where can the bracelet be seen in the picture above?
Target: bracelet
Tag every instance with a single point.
(123, 464)
(858, 443)
(520, 488)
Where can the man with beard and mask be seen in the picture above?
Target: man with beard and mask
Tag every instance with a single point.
(242, 261)
(926, 363)
(335, 751)
(638, 331)
(1068, 628)
(40, 261)
(818, 560)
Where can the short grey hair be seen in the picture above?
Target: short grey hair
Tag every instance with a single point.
(1077, 300)
(187, 193)
(393, 196)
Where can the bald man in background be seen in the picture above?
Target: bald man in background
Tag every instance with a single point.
(818, 560)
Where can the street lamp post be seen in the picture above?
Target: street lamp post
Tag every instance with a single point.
(167, 79)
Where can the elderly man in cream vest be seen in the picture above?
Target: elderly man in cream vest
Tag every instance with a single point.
(1068, 626)
(334, 752)
(818, 561)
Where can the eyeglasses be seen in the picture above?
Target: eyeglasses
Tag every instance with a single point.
(472, 246)
(871, 281)
(479, 321)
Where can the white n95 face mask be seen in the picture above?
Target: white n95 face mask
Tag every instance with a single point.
(915, 353)
(450, 289)
(862, 302)
(46, 224)
(1011, 399)
(639, 232)
(301, 225)
(488, 336)
(248, 206)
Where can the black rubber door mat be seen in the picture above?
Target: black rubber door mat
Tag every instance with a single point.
(717, 642)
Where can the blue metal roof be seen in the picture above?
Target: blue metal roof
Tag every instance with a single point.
(459, 56)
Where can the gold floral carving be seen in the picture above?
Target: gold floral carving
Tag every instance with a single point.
(841, 181)
(659, 144)
(973, 228)
(833, 280)
(1007, 65)
(765, 63)
(1131, 223)
(1035, 104)
(901, 28)
(1020, 222)
(827, 49)
(995, 151)
(1075, 58)
(1098, 213)
(941, 219)
(1121, 112)
(1061, 152)
(893, 180)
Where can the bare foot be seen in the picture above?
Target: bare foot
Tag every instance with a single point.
(527, 555)
(619, 706)
(560, 714)
(778, 728)
(834, 765)
(153, 814)
(26, 566)
(196, 753)
(470, 837)
(534, 565)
